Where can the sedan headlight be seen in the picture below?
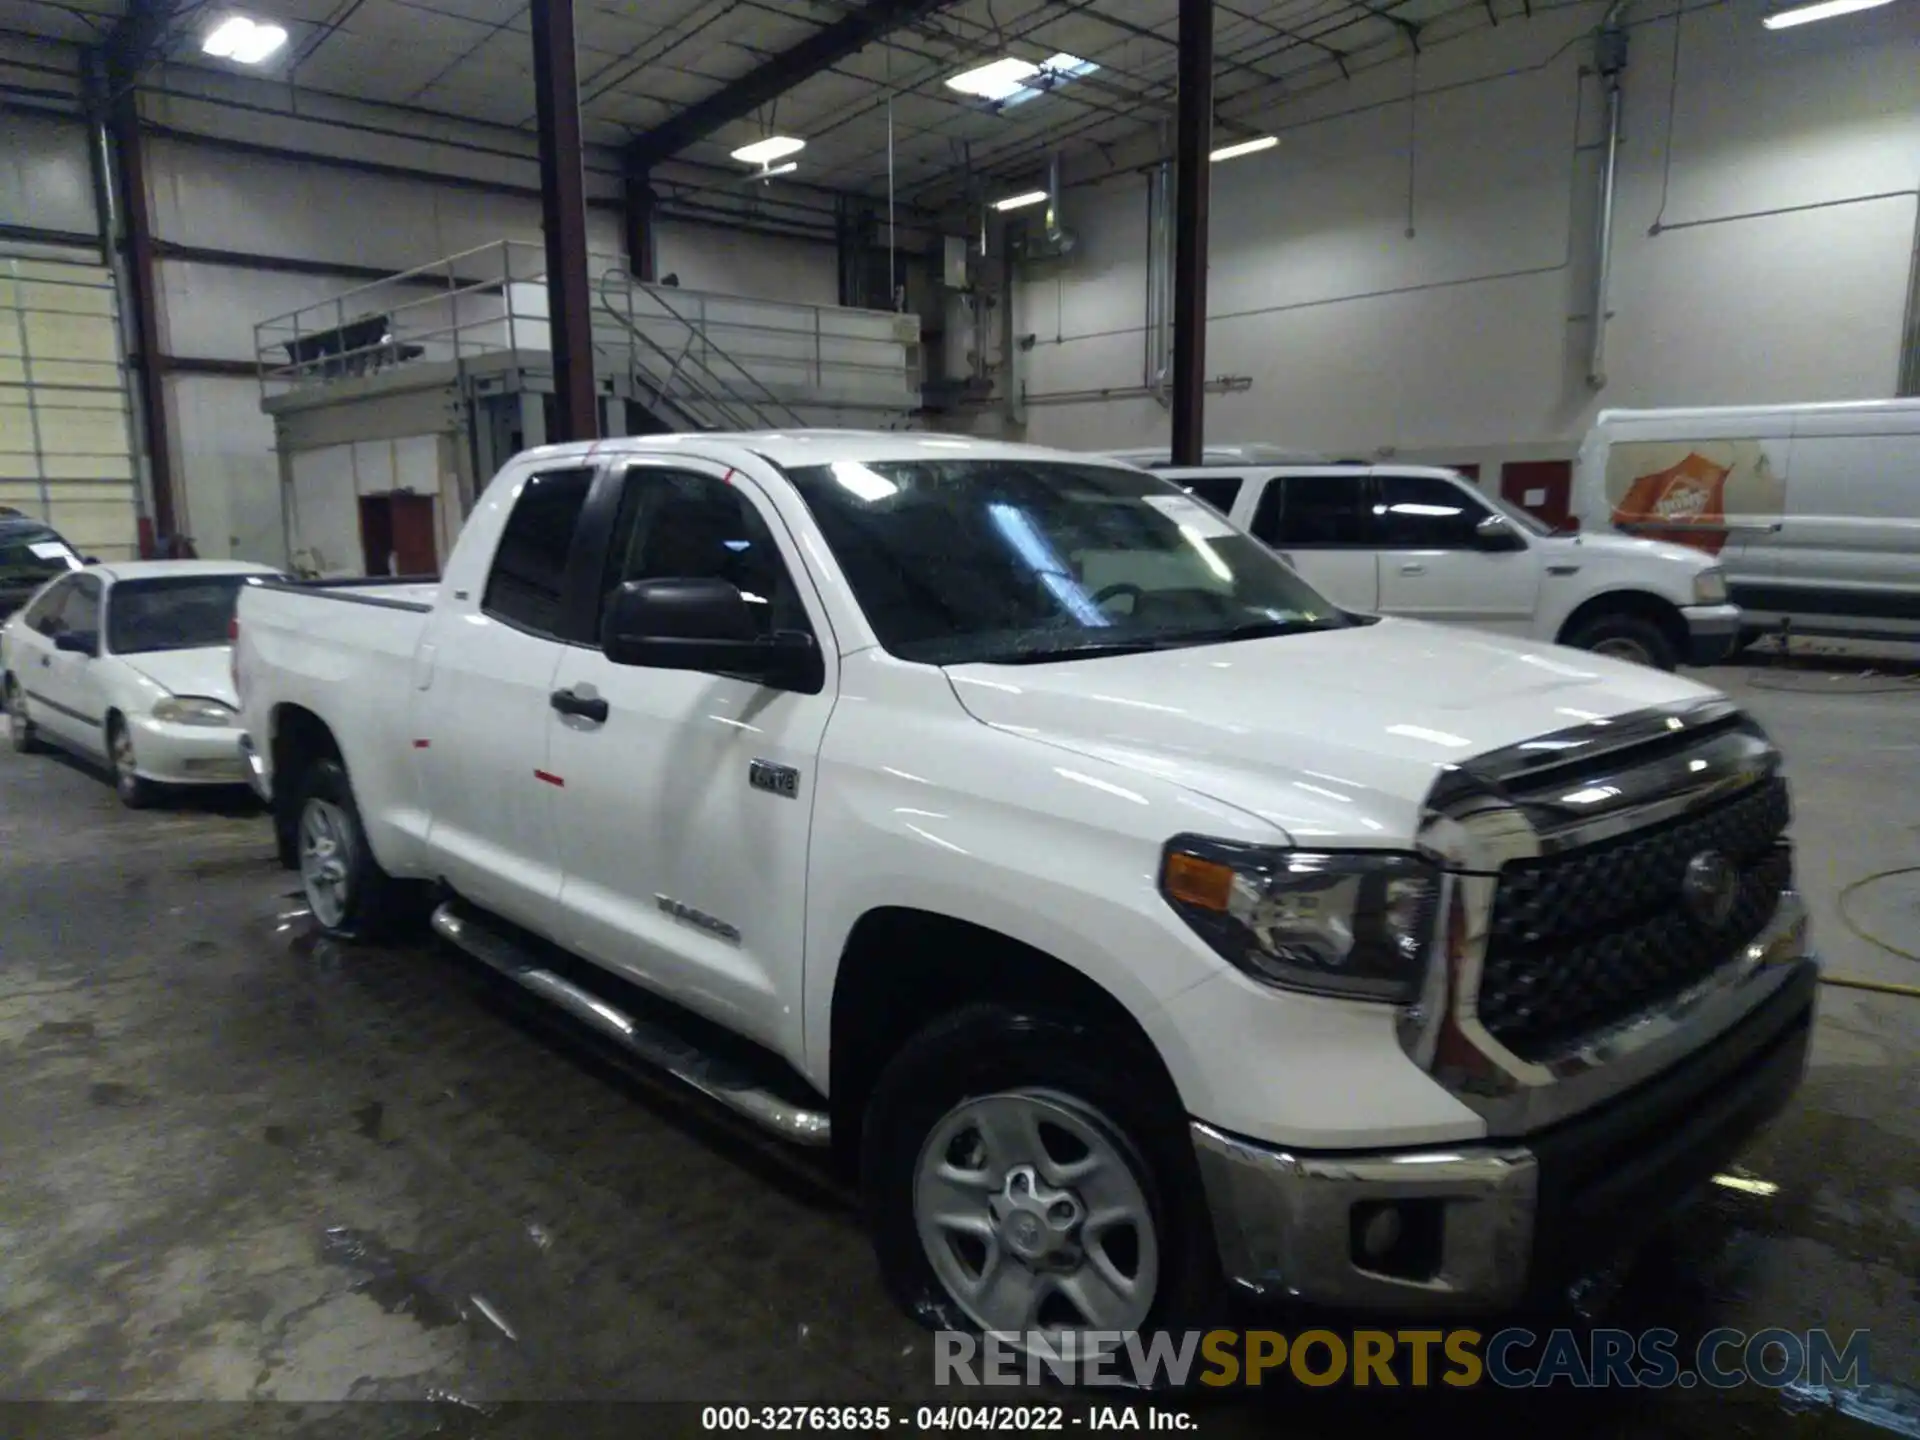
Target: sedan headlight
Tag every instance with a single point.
(1710, 586)
(192, 710)
(1349, 923)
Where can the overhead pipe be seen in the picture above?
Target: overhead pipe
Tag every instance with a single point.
(1610, 61)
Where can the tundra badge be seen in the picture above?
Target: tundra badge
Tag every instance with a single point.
(775, 779)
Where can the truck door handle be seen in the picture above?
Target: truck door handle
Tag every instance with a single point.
(1413, 567)
(568, 703)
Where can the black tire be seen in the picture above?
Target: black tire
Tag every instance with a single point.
(986, 1050)
(372, 905)
(1625, 636)
(21, 732)
(135, 792)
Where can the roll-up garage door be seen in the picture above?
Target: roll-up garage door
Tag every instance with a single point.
(64, 444)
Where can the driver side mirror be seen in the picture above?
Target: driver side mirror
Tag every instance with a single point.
(705, 625)
(77, 642)
(1496, 532)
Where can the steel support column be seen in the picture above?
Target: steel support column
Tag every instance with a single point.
(136, 223)
(1192, 140)
(643, 252)
(563, 216)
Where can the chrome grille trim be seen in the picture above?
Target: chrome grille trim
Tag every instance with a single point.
(1526, 802)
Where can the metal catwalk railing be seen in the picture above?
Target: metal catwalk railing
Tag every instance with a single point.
(698, 359)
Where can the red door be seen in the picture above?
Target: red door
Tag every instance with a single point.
(1541, 487)
(414, 550)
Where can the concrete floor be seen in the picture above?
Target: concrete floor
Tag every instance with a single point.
(237, 1164)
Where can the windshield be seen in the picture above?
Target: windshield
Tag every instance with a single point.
(187, 613)
(30, 554)
(1012, 561)
(1525, 519)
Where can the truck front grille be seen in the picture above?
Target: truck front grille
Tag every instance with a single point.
(1582, 940)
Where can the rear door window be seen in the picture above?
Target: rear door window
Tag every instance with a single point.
(530, 567)
(1304, 511)
(1219, 491)
(44, 612)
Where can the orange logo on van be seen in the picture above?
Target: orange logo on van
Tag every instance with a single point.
(1690, 496)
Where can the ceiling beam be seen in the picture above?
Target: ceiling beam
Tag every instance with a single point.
(737, 99)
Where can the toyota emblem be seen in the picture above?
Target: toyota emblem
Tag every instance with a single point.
(1710, 888)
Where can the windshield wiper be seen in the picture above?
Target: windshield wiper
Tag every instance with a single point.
(1146, 644)
(1247, 630)
(1086, 649)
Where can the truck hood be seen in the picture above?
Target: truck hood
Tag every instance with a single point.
(202, 671)
(1600, 546)
(1335, 737)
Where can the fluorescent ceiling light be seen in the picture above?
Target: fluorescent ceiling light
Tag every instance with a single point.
(765, 152)
(995, 81)
(1011, 81)
(1020, 202)
(1244, 147)
(772, 170)
(1054, 72)
(247, 42)
(1824, 10)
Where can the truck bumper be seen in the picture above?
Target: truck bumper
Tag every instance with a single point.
(1713, 632)
(1479, 1228)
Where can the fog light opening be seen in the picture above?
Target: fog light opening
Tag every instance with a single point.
(1398, 1238)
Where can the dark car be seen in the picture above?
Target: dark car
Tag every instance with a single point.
(31, 553)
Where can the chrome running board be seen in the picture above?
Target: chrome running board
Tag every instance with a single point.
(658, 1046)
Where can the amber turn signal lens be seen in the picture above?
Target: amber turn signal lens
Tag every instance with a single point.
(1206, 883)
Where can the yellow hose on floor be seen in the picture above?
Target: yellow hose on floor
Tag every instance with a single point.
(1854, 982)
(1884, 987)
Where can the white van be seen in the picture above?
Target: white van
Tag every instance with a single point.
(1426, 544)
(1813, 510)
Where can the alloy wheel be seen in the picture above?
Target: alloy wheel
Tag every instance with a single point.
(326, 861)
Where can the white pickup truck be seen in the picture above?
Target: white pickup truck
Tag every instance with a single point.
(1135, 922)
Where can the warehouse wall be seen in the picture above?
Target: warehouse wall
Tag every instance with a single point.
(230, 170)
(1440, 308)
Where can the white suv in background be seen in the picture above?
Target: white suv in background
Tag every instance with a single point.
(1425, 544)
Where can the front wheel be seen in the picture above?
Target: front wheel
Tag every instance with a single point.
(135, 791)
(347, 891)
(1020, 1181)
(21, 733)
(1623, 635)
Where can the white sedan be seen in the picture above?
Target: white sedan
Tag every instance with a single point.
(129, 663)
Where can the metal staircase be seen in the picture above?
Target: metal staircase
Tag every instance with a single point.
(682, 378)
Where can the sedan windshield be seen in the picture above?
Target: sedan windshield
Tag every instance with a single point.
(1018, 561)
(190, 612)
(30, 554)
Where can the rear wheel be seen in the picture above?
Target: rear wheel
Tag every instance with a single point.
(1623, 635)
(1031, 1174)
(348, 892)
(21, 733)
(135, 792)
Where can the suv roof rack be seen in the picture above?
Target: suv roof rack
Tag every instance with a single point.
(1255, 454)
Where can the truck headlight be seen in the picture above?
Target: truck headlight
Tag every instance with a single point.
(192, 710)
(1349, 923)
(1710, 586)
